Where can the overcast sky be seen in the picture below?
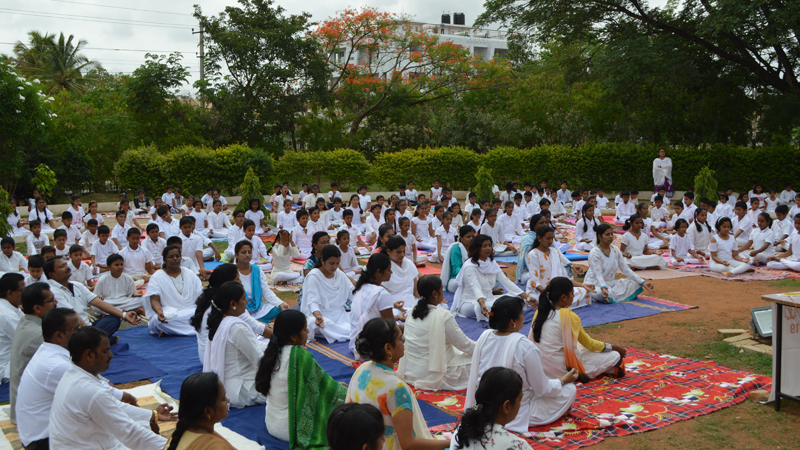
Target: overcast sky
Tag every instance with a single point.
(93, 21)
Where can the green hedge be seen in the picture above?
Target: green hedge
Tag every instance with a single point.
(612, 166)
(455, 167)
(348, 168)
(193, 169)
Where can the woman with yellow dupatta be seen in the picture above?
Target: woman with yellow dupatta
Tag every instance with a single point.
(203, 403)
(563, 342)
(300, 395)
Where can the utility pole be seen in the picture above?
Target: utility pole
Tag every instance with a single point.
(201, 55)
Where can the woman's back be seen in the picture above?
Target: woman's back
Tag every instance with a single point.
(277, 414)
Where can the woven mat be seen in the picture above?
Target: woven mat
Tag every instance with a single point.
(761, 274)
(658, 390)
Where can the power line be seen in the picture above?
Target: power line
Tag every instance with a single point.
(122, 7)
(124, 49)
(94, 19)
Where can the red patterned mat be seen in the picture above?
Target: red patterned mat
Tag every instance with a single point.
(658, 390)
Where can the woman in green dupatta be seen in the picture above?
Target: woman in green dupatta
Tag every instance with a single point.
(300, 395)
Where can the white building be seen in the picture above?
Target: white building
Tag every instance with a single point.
(485, 43)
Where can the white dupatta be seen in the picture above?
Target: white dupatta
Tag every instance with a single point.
(508, 360)
(214, 360)
(329, 294)
(446, 264)
(401, 283)
(488, 267)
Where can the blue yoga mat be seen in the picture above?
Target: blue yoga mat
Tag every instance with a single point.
(507, 259)
(211, 265)
(127, 366)
(576, 257)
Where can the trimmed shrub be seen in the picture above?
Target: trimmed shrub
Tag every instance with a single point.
(192, 169)
(455, 167)
(346, 167)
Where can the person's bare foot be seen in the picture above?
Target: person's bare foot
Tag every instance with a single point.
(727, 274)
(755, 263)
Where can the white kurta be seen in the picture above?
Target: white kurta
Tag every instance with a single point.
(700, 238)
(602, 272)
(202, 335)
(277, 413)
(118, 291)
(543, 267)
(401, 283)
(437, 353)
(15, 229)
(178, 297)
(476, 282)
(635, 246)
(497, 233)
(328, 296)
(242, 354)
(590, 234)
(268, 298)
(551, 344)
(367, 304)
(543, 400)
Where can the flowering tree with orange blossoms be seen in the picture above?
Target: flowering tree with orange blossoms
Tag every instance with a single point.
(380, 61)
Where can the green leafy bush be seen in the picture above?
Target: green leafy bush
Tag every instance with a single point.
(192, 169)
(346, 167)
(705, 186)
(455, 167)
(249, 189)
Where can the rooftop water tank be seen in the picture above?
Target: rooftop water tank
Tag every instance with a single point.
(446, 18)
(459, 19)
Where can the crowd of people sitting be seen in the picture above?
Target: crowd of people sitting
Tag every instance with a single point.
(61, 306)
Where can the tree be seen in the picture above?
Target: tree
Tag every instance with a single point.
(262, 71)
(23, 123)
(705, 185)
(485, 183)
(59, 64)
(251, 188)
(381, 62)
(761, 38)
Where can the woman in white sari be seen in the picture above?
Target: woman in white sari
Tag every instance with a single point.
(402, 285)
(546, 262)
(455, 258)
(476, 292)
(604, 261)
(544, 400)
(326, 291)
(233, 352)
(262, 303)
(438, 354)
(172, 292)
(370, 299)
(662, 173)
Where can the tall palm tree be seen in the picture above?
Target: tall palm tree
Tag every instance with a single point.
(57, 64)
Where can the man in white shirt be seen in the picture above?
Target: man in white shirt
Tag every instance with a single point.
(77, 297)
(11, 286)
(37, 299)
(86, 415)
(41, 377)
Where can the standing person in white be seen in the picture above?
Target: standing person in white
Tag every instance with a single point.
(604, 261)
(479, 274)
(662, 173)
(86, 415)
(544, 400)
